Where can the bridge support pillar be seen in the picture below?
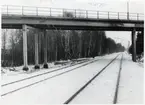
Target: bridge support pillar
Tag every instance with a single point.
(25, 48)
(45, 49)
(142, 32)
(36, 52)
(133, 45)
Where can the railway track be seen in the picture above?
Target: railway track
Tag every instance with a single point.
(23, 79)
(118, 81)
(87, 83)
(42, 74)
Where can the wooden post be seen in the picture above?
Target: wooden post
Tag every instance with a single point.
(133, 45)
(25, 48)
(36, 52)
(45, 49)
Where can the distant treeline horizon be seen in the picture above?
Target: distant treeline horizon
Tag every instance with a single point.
(61, 45)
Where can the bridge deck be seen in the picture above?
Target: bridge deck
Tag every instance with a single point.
(69, 19)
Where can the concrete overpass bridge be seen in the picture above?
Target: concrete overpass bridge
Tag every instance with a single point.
(20, 17)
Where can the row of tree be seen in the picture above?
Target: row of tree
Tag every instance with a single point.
(61, 45)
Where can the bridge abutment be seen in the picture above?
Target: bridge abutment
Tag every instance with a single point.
(25, 61)
(142, 32)
(133, 45)
(45, 49)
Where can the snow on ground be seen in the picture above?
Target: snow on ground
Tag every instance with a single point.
(35, 79)
(10, 71)
(10, 76)
(131, 89)
(18, 70)
(58, 89)
(13, 76)
(102, 89)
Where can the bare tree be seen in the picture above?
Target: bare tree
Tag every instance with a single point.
(4, 36)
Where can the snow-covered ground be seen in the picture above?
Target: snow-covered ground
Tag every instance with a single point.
(24, 83)
(10, 71)
(58, 89)
(102, 89)
(131, 89)
(10, 76)
(18, 69)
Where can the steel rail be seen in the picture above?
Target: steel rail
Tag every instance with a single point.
(20, 80)
(34, 83)
(118, 81)
(84, 86)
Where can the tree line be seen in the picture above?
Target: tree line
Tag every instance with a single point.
(61, 45)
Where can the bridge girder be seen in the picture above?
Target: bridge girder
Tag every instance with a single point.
(71, 23)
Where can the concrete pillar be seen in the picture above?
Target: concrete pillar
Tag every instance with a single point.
(36, 52)
(133, 45)
(142, 32)
(45, 49)
(25, 48)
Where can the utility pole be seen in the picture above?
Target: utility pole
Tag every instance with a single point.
(127, 10)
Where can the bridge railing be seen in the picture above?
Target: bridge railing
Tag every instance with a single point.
(69, 13)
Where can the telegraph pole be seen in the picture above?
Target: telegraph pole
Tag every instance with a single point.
(128, 10)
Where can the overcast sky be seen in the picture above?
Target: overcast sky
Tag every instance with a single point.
(103, 5)
(135, 6)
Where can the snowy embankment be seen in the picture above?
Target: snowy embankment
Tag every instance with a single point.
(18, 69)
(10, 76)
(10, 71)
(58, 89)
(101, 91)
(36, 78)
(131, 89)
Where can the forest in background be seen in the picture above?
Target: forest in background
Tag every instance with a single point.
(61, 45)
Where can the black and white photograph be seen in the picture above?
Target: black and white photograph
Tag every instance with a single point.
(72, 52)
